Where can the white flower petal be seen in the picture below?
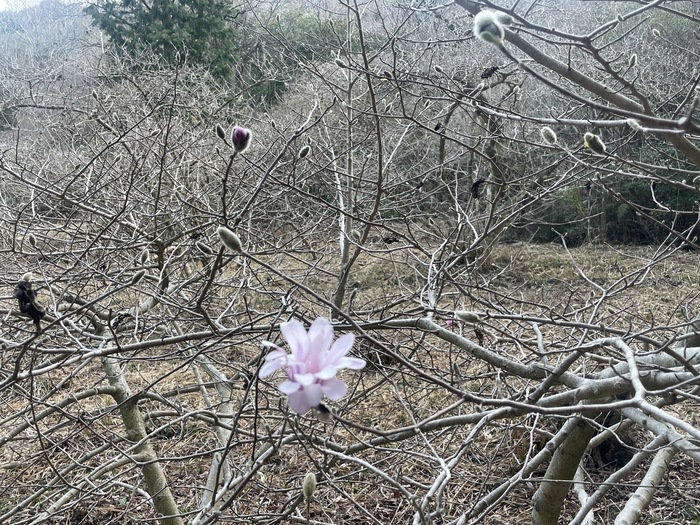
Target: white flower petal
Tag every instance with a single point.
(298, 402)
(334, 388)
(327, 372)
(353, 363)
(341, 347)
(273, 361)
(289, 387)
(320, 335)
(294, 369)
(269, 368)
(295, 335)
(276, 354)
(313, 394)
(304, 379)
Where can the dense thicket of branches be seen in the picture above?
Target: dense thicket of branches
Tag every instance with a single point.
(393, 154)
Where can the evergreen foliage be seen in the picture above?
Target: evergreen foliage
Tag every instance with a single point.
(260, 57)
(202, 32)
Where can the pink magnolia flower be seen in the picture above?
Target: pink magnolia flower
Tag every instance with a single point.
(240, 138)
(312, 365)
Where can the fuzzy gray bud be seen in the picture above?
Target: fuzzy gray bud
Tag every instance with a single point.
(634, 124)
(488, 28)
(309, 486)
(229, 239)
(466, 316)
(144, 257)
(438, 69)
(594, 143)
(340, 63)
(138, 276)
(220, 132)
(28, 277)
(32, 240)
(303, 152)
(204, 248)
(548, 135)
(504, 18)
(633, 60)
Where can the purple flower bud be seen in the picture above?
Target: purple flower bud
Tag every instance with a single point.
(240, 138)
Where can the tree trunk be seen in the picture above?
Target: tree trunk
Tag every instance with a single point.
(549, 498)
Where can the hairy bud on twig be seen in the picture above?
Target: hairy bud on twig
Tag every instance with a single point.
(204, 248)
(467, 317)
(309, 485)
(438, 69)
(504, 18)
(548, 135)
(593, 142)
(229, 239)
(32, 240)
(633, 60)
(340, 63)
(138, 276)
(488, 28)
(220, 132)
(634, 124)
(656, 33)
(303, 152)
(144, 257)
(28, 277)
